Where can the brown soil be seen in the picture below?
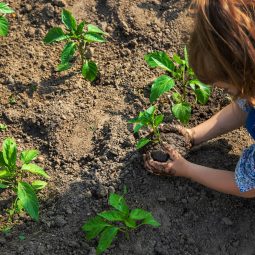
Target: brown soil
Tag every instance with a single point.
(88, 148)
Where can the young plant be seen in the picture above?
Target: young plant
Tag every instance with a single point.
(3, 127)
(13, 176)
(106, 225)
(149, 120)
(77, 40)
(181, 73)
(4, 23)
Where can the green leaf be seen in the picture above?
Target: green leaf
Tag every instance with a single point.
(69, 20)
(142, 142)
(158, 120)
(106, 239)
(28, 155)
(3, 186)
(139, 214)
(80, 28)
(94, 227)
(177, 98)
(89, 70)
(55, 34)
(112, 215)
(159, 59)
(4, 8)
(92, 37)
(9, 152)
(178, 59)
(29, 200)
(34, 169)
(161, 85)
(38, 185)
(4, 26)
(95, 29)
(19, 207)
(149, 220)
(137, 127)
(62, 67)
(130, 223)
(119, 203)
(182, 112)
(68, 52)
(202, 91)
(3, 127)
(5, 174)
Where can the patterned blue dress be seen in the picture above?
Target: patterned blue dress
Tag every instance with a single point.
(245, 169)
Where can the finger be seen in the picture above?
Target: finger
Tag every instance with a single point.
(174, 154)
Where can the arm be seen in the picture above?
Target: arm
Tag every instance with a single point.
(229, 118)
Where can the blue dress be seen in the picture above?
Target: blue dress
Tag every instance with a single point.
(245, 169)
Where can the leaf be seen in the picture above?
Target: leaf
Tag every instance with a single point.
(9, 152)
(89, 70)
(158, 120)
(34, 169)
(95, 29)
(149, 220)
(62, 67)
(29, 200)
(28, 155)
(139, 214)
(161, 85)
(177, 98)
(68, 52)
(130, 223)
(3, 127)
(106, 239)
(92, 37)
(112, 215)
(94, 227)
(137, 127)
(4, 8)
(182, 112)
(159, 59)
(38, 185)
(4, 174)
(80, 28)
(69, 20)
(119, 203)
(4, 26)
(3, 186)
(178, 59)
(142, 142)
(55, 34)
(201, 90)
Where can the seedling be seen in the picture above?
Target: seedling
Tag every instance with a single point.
(4, 23)
(181, 73)
(13, 176)
(106, 225)
(149, 120)
(77, 39)
(12, 100)
(3, 127)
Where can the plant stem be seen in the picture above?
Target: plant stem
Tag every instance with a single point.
(184, 86)
(81, 48)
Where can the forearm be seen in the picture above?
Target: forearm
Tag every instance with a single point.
(229, 118)
(219, 180)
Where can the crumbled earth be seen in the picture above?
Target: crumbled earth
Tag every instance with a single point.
(87, 147)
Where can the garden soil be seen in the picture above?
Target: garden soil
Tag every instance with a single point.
(87, 147)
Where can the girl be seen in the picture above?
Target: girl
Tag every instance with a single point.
(222, 53)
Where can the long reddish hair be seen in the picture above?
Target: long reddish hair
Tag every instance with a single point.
(222, 44)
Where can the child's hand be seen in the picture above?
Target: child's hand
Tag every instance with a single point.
(174, 167)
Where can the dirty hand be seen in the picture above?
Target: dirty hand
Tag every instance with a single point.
(174, 167)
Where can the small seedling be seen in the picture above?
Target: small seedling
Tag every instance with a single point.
(77, 39)
(149, 120)
(106, 225)
(182, 74)
(12, 100)
(13, 176)
(4, 23)
(3, 127)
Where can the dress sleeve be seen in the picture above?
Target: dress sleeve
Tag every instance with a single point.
(242, 103)
(245, 170)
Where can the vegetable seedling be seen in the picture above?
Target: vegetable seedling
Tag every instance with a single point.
(13, 176)
(106, 225)
(3, 127)
(4, 23)
(181, 73)
(148, 119)
(77, 40)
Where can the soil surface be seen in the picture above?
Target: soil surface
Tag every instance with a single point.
(87, 147)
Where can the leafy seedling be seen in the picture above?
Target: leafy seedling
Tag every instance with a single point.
(106, 225)
(12, 100)
(77, 38)
(181, 73)
(3, 127)
(4, 23)
(148, 119)
(13, 174)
